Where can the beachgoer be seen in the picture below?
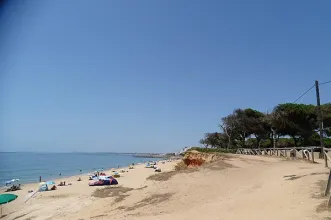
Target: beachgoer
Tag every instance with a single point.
(60, 174)
(64, 183)
(80, 170)
(79, 179)
(40, 179)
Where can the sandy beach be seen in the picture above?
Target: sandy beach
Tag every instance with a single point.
(238, 187)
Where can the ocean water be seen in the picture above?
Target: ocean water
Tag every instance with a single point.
(29, 166)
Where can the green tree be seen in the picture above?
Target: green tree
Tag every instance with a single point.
(228, 126)
(256, 125)
(299, 121)
(215, 140)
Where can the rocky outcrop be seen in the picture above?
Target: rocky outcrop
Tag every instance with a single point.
(196, 158)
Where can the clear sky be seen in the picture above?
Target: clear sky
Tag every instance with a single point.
(141, 76)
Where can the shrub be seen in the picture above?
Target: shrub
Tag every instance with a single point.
(213, 150)
(180, 166)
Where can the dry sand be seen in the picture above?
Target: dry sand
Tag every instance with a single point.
(236, 188)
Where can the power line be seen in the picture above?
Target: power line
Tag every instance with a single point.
(304, 93)
(325, 82)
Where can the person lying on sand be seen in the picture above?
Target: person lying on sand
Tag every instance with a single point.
(53, 187)
(79, 179)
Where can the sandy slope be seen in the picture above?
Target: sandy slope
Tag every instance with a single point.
(245, 187)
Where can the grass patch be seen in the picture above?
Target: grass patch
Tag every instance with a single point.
(151, 200)
(167, 175)
(97, 216)
(181, 167)
(295, 177)
(213, 150)
(119, 193)
(141, 188)
(323, 206)
(20, 216)
(217, 165)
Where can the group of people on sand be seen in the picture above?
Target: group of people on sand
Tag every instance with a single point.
(64, 183)
(97, 174)
(14, 188)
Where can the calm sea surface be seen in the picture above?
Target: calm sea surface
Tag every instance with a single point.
(29, 166)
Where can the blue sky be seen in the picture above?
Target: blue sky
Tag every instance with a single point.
(138, 76)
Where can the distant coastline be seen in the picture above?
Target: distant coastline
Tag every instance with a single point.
(150, 155)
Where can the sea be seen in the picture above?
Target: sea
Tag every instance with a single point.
(28, 167)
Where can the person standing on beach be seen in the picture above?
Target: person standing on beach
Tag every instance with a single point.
(40, 179)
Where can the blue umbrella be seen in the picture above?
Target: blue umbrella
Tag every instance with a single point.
(12, 181)
(50, 183)
(8, 182)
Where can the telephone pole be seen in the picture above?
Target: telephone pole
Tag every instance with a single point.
(320, 122)
(274, 137)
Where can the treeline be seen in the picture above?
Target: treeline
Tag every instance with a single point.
(288, 124)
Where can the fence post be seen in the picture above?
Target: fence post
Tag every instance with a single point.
(327, 190)
(325, 157)
(312, 155)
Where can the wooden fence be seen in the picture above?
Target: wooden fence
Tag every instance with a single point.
(305, 153)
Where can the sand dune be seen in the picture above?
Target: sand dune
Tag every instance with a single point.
(240, 187)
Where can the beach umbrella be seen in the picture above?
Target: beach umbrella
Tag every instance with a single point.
(5, 198)
(50, 183)
(12, 181)
(8, 182)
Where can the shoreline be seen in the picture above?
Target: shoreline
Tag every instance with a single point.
(59, 179)
(86, 173)
(83, 176)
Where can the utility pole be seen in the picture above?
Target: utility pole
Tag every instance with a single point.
(320, 122)
(274, 137)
